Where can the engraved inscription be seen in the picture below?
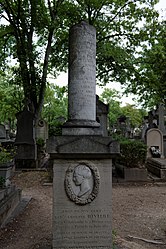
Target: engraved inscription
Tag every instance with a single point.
(82, 183)
(84, 228)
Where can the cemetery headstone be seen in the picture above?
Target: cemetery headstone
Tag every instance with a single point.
(42, 130)
(154, 141)
(25, 127)
(25, 137)
(102, 115)
(82, 157)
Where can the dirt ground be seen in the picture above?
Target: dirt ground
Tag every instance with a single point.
(138, 211)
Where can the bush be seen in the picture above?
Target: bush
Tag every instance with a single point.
(133, 153)
(5, 155)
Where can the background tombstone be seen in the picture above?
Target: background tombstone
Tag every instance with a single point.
(42, 130)
(154, 139)
(25, 140)
(102, 111)
(82, 157)
(41, 137)
(162, 124)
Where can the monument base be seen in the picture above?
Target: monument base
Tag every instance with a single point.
(82, 225)
(82, 186)
(81, 131)
(81, 127)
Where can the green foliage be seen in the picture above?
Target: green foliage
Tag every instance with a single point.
(55, 108)
(135, 115)
(35, 34)
(112, 97)
(133, 153)
(149, 75)
(11, 95)
(114, 234)
(5, 156)
(40, 142)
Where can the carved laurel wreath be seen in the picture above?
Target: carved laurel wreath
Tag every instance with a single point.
(68, 186)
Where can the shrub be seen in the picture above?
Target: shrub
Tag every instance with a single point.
(133, 153)
(40, 142)
(5, 155)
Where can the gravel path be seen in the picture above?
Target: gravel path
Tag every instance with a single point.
(138, 211)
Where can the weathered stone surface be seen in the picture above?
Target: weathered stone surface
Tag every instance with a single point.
(102, 111)
(42, 130)
(9, 203)
(82, 225)
(157, 166)
(132, 174)
(82, 72)
(26, 151)
(81, 130)
(82, 157)
(159, 162)
(89, 146)
(25, 128)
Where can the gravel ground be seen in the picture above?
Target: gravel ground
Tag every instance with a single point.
(138, 211)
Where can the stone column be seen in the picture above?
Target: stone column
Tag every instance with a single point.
(82, 80)
(82, 72)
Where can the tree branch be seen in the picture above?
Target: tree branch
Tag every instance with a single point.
(44, 74)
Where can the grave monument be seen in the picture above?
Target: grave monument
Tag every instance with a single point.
(82, 156)
(25, 140)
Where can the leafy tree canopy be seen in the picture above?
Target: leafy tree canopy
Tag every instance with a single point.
(35, 34)
(11, 96)
(112, 97)
(149, 80)
(55, 107)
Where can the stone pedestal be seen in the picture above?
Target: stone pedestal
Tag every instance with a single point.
(82, 191)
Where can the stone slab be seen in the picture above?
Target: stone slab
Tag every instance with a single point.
(156, 169)
(77, 146)
(81, 131)
(18, 210)
(8, 204)
(132, 174)
(157, 162)
(80, 221)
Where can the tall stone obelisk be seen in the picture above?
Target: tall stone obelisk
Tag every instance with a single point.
(82, 81)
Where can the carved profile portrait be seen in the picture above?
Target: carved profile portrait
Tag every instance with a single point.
(82, 183)
(81, 178)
